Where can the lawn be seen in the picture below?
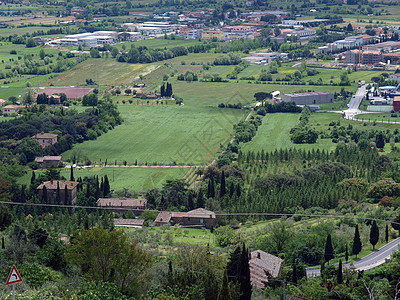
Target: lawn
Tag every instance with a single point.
(385, 117)
(132, 178)
(163, 133)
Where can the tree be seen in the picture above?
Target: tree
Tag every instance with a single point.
(109, 256)
(384, 187)
(349, 27)
(244, 275)
(294, 275)
(374, 235)
(5, 217)
(106, 187)
(357, 245)
(380, 141)
(346, 255)
(328, 249)
(42, 54)
(30, 43)
(261, 96)
(71, 177)
(223, 185)
(396, 224)
(340, 273)
(387, 233)
(224, 292)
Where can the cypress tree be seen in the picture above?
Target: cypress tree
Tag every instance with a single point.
(2, 243)
(106, 187)
(387, 233)
(233, 264)
(162, 91)
(97, 195)
(357, 245)
(33, 177)
(238, 191)
(340, 273)
(200, 199)
(396, 225)
(223, 186)
(190, 201)
(224, 292)
(231, 189)
(44, 197)
(328, 249)
(212, 188)
(374, 235)
(347, 253)
(209, 188)
(58, 194)
(244, 275)
(71, 177)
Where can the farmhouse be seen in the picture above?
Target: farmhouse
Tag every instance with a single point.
(123, 204)
(45, 139)
(195, 218)
(71, 92)
(259, 262)
(48, 161)
(11, 109)
(50, 188)
(308, 98)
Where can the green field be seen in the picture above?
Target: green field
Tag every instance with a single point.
(382, 117)
(132, 178)
(160, 133)
(274, 134)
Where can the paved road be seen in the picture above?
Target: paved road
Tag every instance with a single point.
(376, 258)
(354, 104)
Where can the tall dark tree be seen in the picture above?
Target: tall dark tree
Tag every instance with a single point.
(328, 255)
(98, 193)
(162, 90)
(238, 190)
(66, 196)
(33, 177)
(244, 275)
(346, 255)
(71, 177)
(357, 245)
(58, 194)
(223, 185)
(396, 224)
(380, 141)
(45, 199)
(5, 217)
(387, 233)
(224, 292)
(231, 189)
(106, 187)
(233, 264)
(190, 201)
(200, 199)
(374, 234)
(340, 273)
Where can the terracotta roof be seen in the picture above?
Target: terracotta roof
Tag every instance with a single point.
(200, 213)
(166, 216)
(46, 158)
(128, 222)
(122, 202)
(267, 261)
(13, 106)
(44, 135)
(52, 184)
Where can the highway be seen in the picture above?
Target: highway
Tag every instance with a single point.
(376, 258)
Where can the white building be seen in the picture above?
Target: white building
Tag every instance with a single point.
(194, 34)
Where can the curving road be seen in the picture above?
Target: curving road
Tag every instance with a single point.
(376, 258)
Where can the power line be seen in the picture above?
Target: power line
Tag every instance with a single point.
(244, 214)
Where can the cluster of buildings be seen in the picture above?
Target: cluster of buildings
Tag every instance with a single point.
(264, 58)
(373, 54)
(349, 42)
(94, 39)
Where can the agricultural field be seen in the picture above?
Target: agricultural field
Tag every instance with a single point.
(163, 133)
(132, 178)
(381, 117)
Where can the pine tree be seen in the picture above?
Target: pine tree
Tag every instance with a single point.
(328, 249)
(223, 186)
(357, 245)
(374, 235)
(340, 273)
(72, 178)
(387, 233)
(224, 292)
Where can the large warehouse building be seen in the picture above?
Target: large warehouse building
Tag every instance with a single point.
(308, 98)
